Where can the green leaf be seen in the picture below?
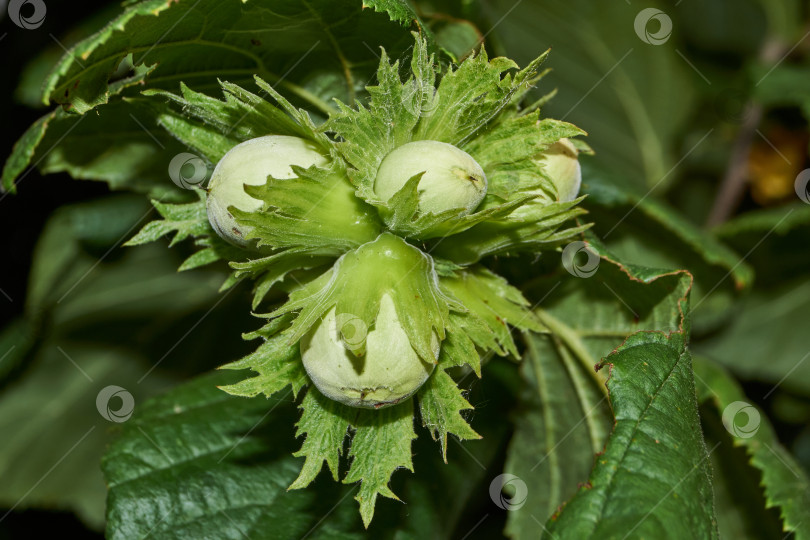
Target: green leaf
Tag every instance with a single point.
(653, 478)
(786, 484)
(381, 445)
(236, 40)
(564, 418)
(199, 440)
(397, 10)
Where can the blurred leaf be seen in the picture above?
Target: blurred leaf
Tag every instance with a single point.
(653, 478)
(457, 37)
(633, 98)
(784, 18)
(73, 268)
(565, 418)
(772, 239)
(36, 71)
(642, 230)
(728, 27)
(56, 402)
(786, 485)
(84, 286)
(738, 494)
(783, 85)
(765, 341)
(120, 144)
(16, 341)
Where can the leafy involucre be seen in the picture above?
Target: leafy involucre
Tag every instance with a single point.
(499, 306)
(381, 445)
(184, 220)
(441, 403)
(278, 365)
(316, 211)
(462, 110)
(386, 266)
(324, 423)
(212, 126)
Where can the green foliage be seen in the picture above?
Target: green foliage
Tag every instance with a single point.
(197, 439)
(786, 484)
(639, 485)
(565, 415)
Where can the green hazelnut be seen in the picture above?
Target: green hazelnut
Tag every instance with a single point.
(251, 162)
(389, 372)
(452, 179)
(562, 166)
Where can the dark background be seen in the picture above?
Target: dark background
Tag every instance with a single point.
(22, 216)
